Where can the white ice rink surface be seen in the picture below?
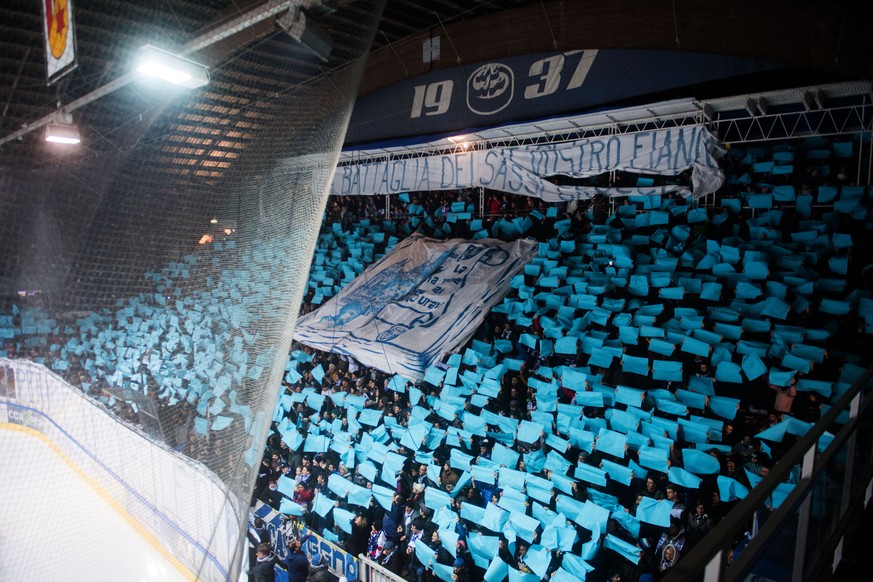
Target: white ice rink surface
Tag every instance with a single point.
(55, 526)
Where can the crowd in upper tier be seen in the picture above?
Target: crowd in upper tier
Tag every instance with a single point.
(647, 368)
(614, 484)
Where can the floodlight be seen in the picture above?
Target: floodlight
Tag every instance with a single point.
(306, 32)
(165, 65)
(62, 130)
(59, 133)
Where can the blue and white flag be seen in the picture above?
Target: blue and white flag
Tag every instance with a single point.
(424, 298)
(523, 170)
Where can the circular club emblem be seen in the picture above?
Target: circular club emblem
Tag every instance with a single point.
(58, 18)
(489, 89)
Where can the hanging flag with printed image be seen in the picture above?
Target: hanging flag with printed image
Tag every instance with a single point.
(60, 38)
(423, 299)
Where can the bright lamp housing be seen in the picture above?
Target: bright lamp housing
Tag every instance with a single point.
(165, 65)
(62, 130)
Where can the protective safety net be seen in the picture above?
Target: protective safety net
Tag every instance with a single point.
(149, 289)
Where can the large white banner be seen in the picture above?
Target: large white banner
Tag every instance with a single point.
(424, 298)
(522, 170)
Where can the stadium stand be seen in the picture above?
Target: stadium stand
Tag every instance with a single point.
(714, 337)
(645, 362)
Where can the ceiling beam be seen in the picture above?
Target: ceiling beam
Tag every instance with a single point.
(233, 26)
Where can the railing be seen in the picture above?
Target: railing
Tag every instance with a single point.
(370, 571)
(802, 537)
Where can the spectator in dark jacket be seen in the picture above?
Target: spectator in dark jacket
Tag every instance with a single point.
(271, 495)
(356, 543)
(698, 523)
(318, 570)
(390, 558)
(392, 521)
(264, 569)
(296, 563)
(461, 571)
(258, 533)
(442, 555)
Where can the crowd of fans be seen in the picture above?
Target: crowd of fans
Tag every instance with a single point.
(582, 235)
(388, 535)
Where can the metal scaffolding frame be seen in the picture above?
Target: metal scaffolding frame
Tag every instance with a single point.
(850, 119)
(822, 110)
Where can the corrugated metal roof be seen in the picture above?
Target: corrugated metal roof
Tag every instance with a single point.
(201, 130)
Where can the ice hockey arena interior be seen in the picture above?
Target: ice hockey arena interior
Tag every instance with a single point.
(419, 291)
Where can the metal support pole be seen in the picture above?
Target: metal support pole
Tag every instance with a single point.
(870, 160)
(846, 495)
(714, 568)
(481, 202)
(803, 514)
(851, 449)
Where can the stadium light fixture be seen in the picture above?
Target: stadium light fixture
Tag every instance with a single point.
(62, 130)
(462, 141)
(305, 30)
(165, 65)
(200, 76)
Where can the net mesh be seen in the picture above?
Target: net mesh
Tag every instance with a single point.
(165, 288)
